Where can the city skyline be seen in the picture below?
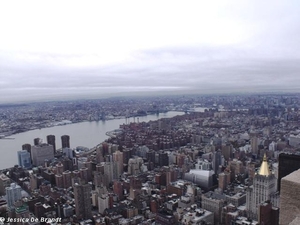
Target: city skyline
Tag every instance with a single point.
(54, 51)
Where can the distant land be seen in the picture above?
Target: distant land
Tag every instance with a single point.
(6, 102)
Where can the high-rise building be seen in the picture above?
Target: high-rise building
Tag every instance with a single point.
(109, 171)
(227, 151)
(65, 141)
(118, 159)
(51, 141)
(127, 154)
(99, 179)
(236, 167)
(118, 189)
(27, 147)
(163, 159)
(217, 161)
(37, 141)
(84, 174)
(254, 144)
(13, 194)
(289, 198)
(134, 165)
(35, 181)
(171, 175)
(24, 159)
(68, 152)
(99, 154)
(67, 179)
(59, 181)
(40, 153)
(264, 186)
(59, 168)
(83, 204)
(103, 203)
(224, 180)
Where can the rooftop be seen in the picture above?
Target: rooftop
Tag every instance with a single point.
(294, 176)
(264, 168)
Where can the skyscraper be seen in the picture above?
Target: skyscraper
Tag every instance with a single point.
(24, 159)
(13, 194)
(118, 159)
(82, 200)
(37, 141)
(254, 144)
(163, 159)
(40, 153)
(67, 179)
(27, 147)
(51, 141)
(264, 186)
(217, 161)
(103, 203)
(109, 171)
(65, 141)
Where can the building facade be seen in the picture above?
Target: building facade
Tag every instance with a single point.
(83, 204)
(24, 159)
(40, 153)
(263, 188)
(13, 194)
(51, 141)
(65, 141)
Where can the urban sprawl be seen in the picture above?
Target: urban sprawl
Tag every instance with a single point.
(235, 163)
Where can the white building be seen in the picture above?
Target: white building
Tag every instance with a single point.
(103, 203)
(135, 165)
(39, 153)
(204, 178)
(13, 194)
(263, 189)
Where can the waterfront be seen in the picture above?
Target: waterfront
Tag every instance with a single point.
(87, 134)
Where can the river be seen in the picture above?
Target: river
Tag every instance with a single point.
(87, 134)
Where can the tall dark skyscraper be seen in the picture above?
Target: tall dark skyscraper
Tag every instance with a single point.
(51, 141)
(217, 161)
(27, 147)
(83, 204)
(65, 141)
(36, 141)
(288, 163)
(163, 159)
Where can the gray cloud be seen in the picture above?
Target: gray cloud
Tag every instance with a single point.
(265, 58)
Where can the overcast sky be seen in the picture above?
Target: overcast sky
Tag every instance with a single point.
(68, 49)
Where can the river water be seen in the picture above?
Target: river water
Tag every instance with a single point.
(87, 134)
